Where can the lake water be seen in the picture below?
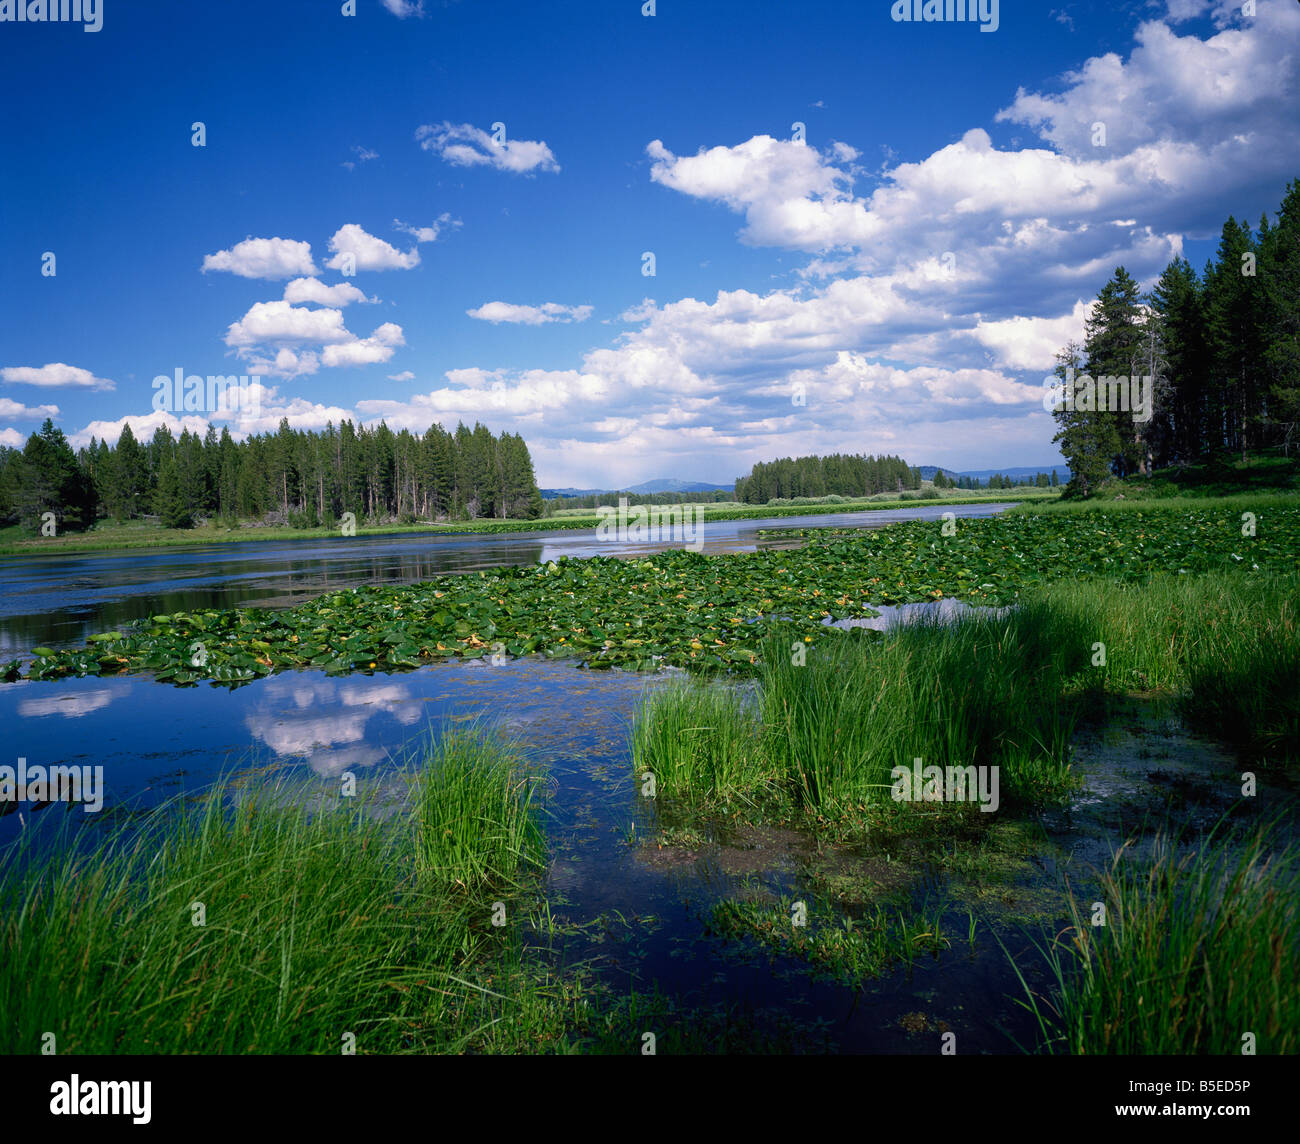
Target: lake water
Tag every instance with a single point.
(57, 601)
(156, 741)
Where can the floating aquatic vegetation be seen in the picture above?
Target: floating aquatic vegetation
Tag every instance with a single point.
(678, 608)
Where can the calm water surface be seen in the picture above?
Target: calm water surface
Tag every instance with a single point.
(647, 910)
(306, 729)
(57, 601)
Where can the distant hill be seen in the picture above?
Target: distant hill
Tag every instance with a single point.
(672, 485)
(659, 485)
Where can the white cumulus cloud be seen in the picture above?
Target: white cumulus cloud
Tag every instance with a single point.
(15, 410)
(55, 375)
(314, 290)
(363, 251)
(264, 258)
(278, 322)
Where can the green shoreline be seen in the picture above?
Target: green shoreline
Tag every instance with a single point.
(150, 537)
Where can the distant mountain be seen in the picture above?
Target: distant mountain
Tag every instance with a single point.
(672, 485)
(551, 494)
(659, 485)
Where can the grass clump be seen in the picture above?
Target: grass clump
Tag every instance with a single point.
(982, 690)
(833, 720)
(701, 743)
(476, 823)
(250, 924)
(1198, 950)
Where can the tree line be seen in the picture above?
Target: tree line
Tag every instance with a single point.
(303, 478)
(839, 474)
(1222, 350)
(554, 505)
(996, 481)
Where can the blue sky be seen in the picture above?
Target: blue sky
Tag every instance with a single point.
(896, 282)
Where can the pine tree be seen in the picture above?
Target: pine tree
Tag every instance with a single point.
(170, 504)
(1232, 316)
(191, 474)
(210, 453)
(130, 480)
(51, 480)
(522, 496)
(228, 476)
(1086, 443)
(1279, 275)
(1113, 345)
(1179, 324)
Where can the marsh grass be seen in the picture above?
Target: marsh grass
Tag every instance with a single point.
(701, 742)
(1225, 644)
(1198, 950)
(316, 923)
(832, 722)
(476, 825)
(983, 690)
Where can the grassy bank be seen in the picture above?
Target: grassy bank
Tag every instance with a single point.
(1231, 505)
(1222, 476)
(109, 536)
(1226, 645)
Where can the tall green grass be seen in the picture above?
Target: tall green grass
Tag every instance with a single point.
(982, 690)
(834, 721)
(701, 742)
(986, 690)
(315, 924)
(476, 822)
(1197, 951)
(1226, 644)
